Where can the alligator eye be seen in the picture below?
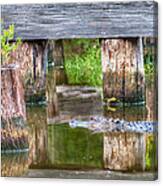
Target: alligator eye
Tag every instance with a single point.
(91, 118)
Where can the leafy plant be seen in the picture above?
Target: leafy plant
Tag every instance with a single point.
(149, 69)
(7, 47)
(83, 62)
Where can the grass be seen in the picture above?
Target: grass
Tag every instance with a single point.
(83, 62)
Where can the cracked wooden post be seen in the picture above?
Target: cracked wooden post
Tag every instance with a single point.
(123, 69)
(14, 133)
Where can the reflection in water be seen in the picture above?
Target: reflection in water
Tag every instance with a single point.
(74, 148)
(59, 146)
(38, 135)
(134, 113)
(14, 164)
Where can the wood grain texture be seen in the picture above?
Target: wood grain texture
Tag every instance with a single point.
(82, 20)
(124, 151)
(36, 118)
(123, 69)
(12, 94)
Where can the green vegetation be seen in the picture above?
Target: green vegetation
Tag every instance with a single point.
(83, 62)
(149, 69)
(8, 47)
(151, 151)
(149, 65)
(74, 148)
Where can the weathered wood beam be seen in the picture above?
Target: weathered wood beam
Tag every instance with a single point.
(82, 20)
(123, 69)
(56, 55)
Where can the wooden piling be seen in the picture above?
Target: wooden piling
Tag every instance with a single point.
(123, 69)
(14, 133)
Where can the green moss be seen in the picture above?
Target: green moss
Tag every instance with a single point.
(83, 62)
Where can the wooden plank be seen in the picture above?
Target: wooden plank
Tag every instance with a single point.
(82, 20)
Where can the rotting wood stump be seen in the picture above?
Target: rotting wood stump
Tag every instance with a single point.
(14, 133)
(123, 70)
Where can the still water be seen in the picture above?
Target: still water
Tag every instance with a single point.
(61, 147)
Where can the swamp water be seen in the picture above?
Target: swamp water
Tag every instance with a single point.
(58, 146)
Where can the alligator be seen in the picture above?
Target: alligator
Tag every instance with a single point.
(99, 124)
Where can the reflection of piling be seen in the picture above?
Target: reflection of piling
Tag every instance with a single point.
(129, 151)
(14, 164)
(36, 117)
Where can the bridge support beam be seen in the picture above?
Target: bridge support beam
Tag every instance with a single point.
(123, 69)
